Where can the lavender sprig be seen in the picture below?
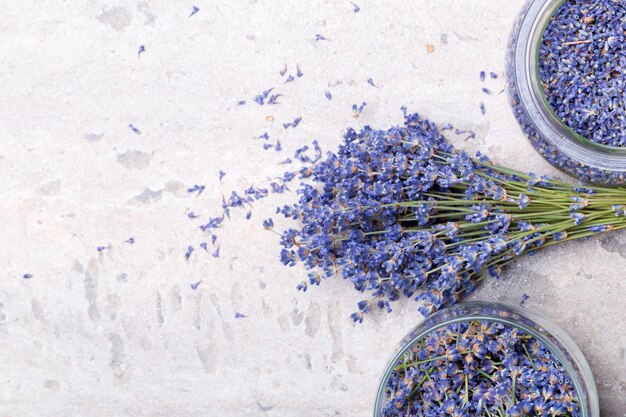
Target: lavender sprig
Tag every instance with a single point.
(401, 214)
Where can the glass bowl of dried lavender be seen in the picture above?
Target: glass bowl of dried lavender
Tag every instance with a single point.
(565, 71)
(487, 359)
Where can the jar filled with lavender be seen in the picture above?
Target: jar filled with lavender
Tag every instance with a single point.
(487, 359)
(566, 74)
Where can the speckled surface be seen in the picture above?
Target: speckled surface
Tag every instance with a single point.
(121, 333)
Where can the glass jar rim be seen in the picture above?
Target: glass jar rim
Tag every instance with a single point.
(556, 340)
(525, 82)
(550, 12)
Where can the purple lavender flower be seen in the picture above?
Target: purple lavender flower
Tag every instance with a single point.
(293, 124)
(399, 213)
(268, 224)
(370, 81)
(196, 189)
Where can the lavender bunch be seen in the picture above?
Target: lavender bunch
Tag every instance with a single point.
(401, 214)
(480, 369)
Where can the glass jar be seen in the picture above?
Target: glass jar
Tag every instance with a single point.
(567, 150)
(546, 333)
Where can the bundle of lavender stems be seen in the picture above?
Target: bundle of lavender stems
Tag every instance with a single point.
(401, 213)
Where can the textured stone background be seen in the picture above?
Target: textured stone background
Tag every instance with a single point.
(121, 333)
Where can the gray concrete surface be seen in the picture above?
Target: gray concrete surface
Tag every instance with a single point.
(121, 333)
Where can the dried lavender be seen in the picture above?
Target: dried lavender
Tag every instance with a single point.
(581, 67)
(480, 368)
(401, 214)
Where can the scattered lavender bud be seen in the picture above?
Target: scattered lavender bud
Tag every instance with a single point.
(216, 252)
(273, 98)
(524, 298)
(293, 124)
(482, 108)
(196, 189)
(493, 75)
(27, 276)
(482, 76)
(260, 99)
(100, 248)
(194, 10)
(142, 49)
(319, 37)
(134, 129)
(356, 7)
(371, 82)
(298, 72)
(203, 245)
(268, 224)
(221, 174)
(486, 90)
(240, 316)
(195, 285)
(188, 252)
(213, 223)
(289, 79)
(130, 240)
(191, 215)
(328, 95)
(357, 110)
(248, 215)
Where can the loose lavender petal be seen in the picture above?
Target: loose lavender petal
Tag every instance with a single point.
(188, 252)
(134, 129)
